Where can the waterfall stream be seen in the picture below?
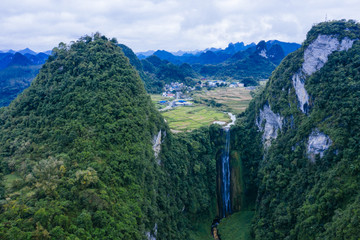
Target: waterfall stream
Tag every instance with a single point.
(225, 178)
(224, 196)
(225, 171)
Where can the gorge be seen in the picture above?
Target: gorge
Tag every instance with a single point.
(84, 154)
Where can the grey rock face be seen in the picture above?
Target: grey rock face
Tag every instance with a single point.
(151, 236)
(298, 80)
(157, 144)
(273, 122)
(315, 57)
(263, 53)
(318, 143)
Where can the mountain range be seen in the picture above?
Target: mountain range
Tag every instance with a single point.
(215, 55)
(239, 62)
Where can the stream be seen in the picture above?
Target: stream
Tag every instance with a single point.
(233, 119)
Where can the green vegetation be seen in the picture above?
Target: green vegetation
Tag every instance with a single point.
(298, 199)
(193, 117)
(10, 179)
(155, 98)
(189, 161)
(79, 157)
(201, 231)
(77, 160)
(234, 100)
(160, 72)
(237, 226)
(248, 70)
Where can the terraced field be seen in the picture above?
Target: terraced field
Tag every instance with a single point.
(233, 100)
(191, 117)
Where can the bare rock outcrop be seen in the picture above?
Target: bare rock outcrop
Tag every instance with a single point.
(157, 144)
(315, 57)
(152, 236)
(317, 144)
(269, 123)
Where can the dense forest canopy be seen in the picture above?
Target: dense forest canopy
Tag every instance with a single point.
(77, 158)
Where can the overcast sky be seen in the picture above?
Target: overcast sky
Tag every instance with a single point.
(164, 24)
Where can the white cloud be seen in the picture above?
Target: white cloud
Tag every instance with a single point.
(164, 24)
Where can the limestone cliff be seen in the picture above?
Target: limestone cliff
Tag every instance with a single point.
(269, 123)
(307, 124)
(317, 144)
(315, 57)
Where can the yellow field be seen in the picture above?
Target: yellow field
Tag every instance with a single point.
(191, 117)
(234, 100)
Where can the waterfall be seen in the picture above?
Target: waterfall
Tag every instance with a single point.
(223, 181)
(225, 178)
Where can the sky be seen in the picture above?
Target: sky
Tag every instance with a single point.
(170, 25)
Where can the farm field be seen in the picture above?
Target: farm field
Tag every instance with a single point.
(209, 107)
(188, 118)
(155, 98)
(234, 100)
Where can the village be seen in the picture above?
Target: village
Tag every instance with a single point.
(179, 93)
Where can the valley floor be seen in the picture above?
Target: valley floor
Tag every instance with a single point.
(236, 226)
(207, 107)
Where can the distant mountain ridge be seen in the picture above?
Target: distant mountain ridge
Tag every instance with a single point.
(246, 63)
(25, 51)
(238, 61)
(206, 56)
(17, 70)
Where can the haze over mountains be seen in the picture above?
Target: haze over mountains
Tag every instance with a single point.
(239, 62)
(17, 70)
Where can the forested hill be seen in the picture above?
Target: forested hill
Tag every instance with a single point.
(80, 155)
(307, 123)
(76, 148)
(156, 72)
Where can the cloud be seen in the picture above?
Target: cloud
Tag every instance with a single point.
(164, 24)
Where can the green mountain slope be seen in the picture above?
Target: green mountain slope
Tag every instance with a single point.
(160, 72)
(79, 141)
(156, 72)
(80, 155)
(307, 124)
